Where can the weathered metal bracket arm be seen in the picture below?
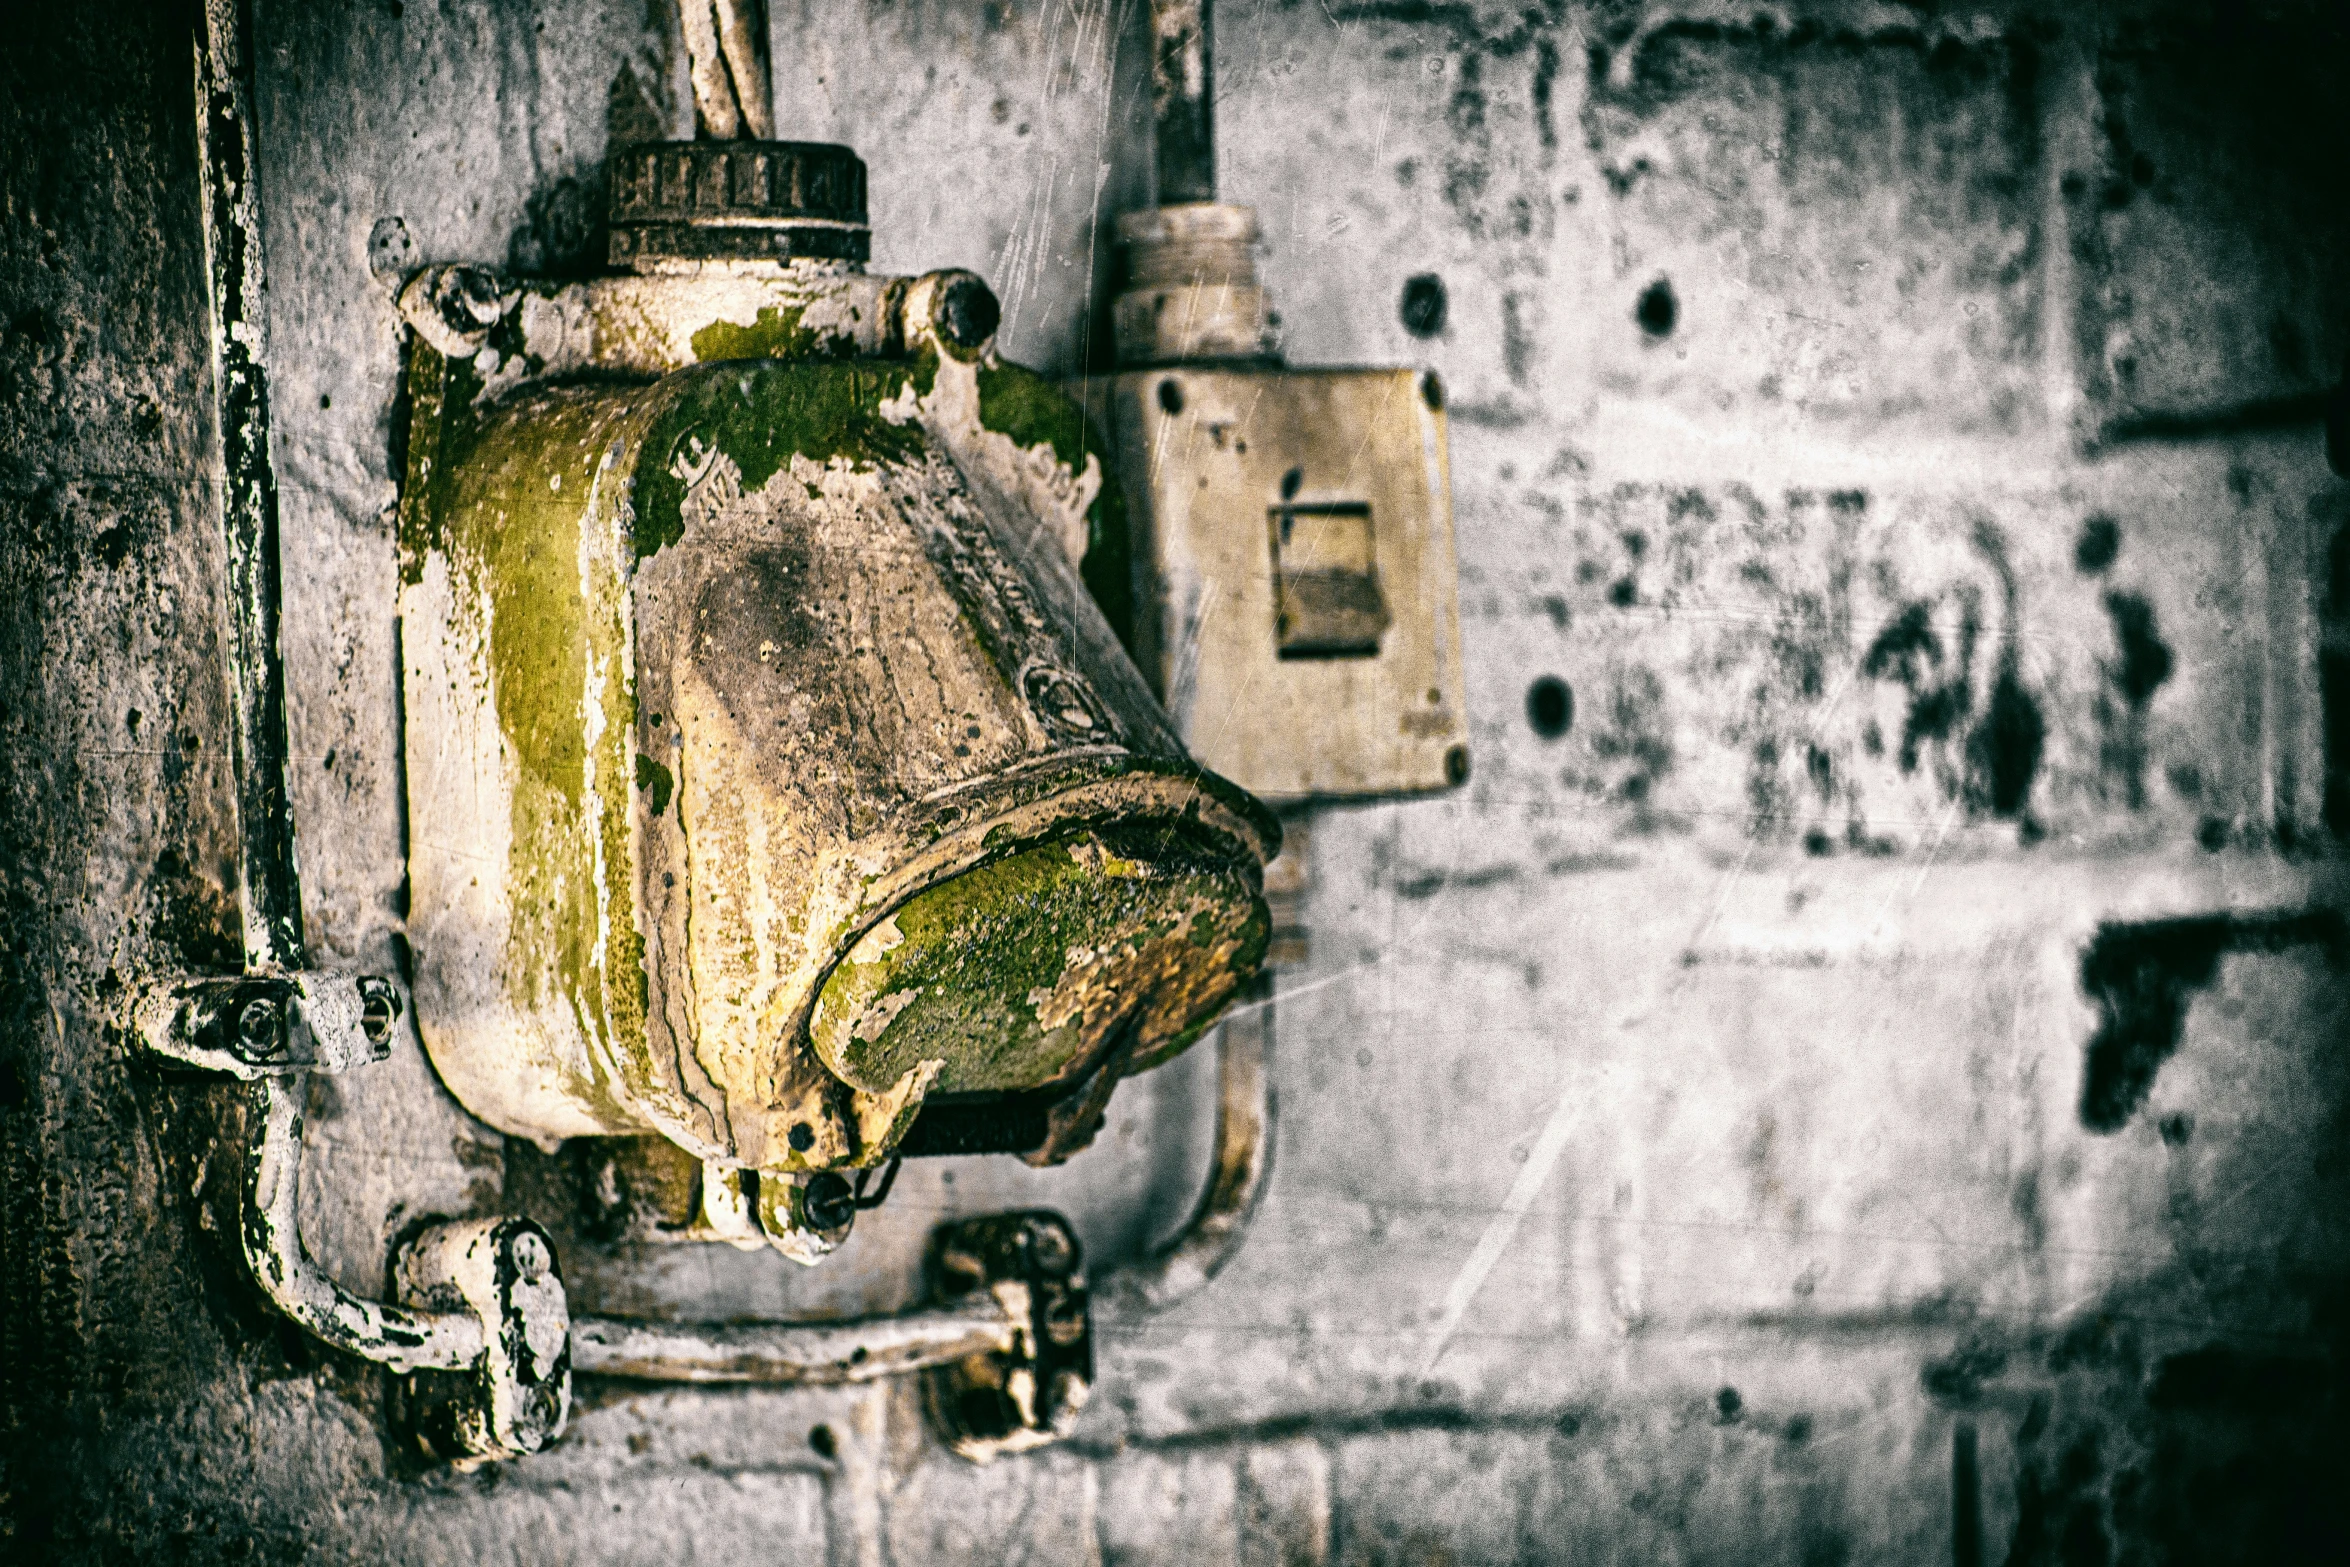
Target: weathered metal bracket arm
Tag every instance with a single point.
(482, 1335)
(785, 1354)
(1031, 1393)
(263, 1025)
(492, 1311)
(402, 1339)
(1007, 1349)
(1242, 1167)
(482, 1332)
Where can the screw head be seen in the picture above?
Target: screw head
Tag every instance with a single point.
(379, 1009)
(261, 1029)
(1064, 1322)
(1050, 1250)
(531, 1256)
(966, 313)
(827, 1202)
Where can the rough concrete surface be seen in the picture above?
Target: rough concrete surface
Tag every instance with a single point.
(1853, 1076)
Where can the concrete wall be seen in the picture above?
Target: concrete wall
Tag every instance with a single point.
(1769, 1118)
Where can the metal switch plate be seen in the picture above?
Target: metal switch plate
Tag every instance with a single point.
(1295, 602)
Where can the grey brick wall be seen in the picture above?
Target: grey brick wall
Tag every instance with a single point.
(1897, 424)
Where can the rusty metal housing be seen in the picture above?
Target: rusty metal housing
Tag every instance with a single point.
(772, 769)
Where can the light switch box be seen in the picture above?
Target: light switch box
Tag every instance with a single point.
(1294, 599)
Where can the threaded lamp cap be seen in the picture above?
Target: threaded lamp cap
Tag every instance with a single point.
(1191, 293)
(779, 201)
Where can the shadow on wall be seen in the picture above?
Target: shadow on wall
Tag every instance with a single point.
(2229, 1451)
(564, 234)
(2146, 1427)
(2142, 978)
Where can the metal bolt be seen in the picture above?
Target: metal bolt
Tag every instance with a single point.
(531, 1257)
(379, 1009)
(473, 293)
(261, 1029)
(1049, 1249)
(828, 1203)
(1064, 1321)
(966, 313)
(1423, 305)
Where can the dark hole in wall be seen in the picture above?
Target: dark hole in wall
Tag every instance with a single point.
(2003, 752)
(2100, 542)
(1424, 304)
(1550, 707)
(2145, 661)
(1658, 311)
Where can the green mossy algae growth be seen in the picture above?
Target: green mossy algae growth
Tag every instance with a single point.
(761, 415)
(1030, 409)
(513, 534)
(776, 333)
(1013, 401)
(979, 950)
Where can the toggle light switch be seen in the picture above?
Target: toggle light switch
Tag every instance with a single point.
(1294, 597)
(1326, 599)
